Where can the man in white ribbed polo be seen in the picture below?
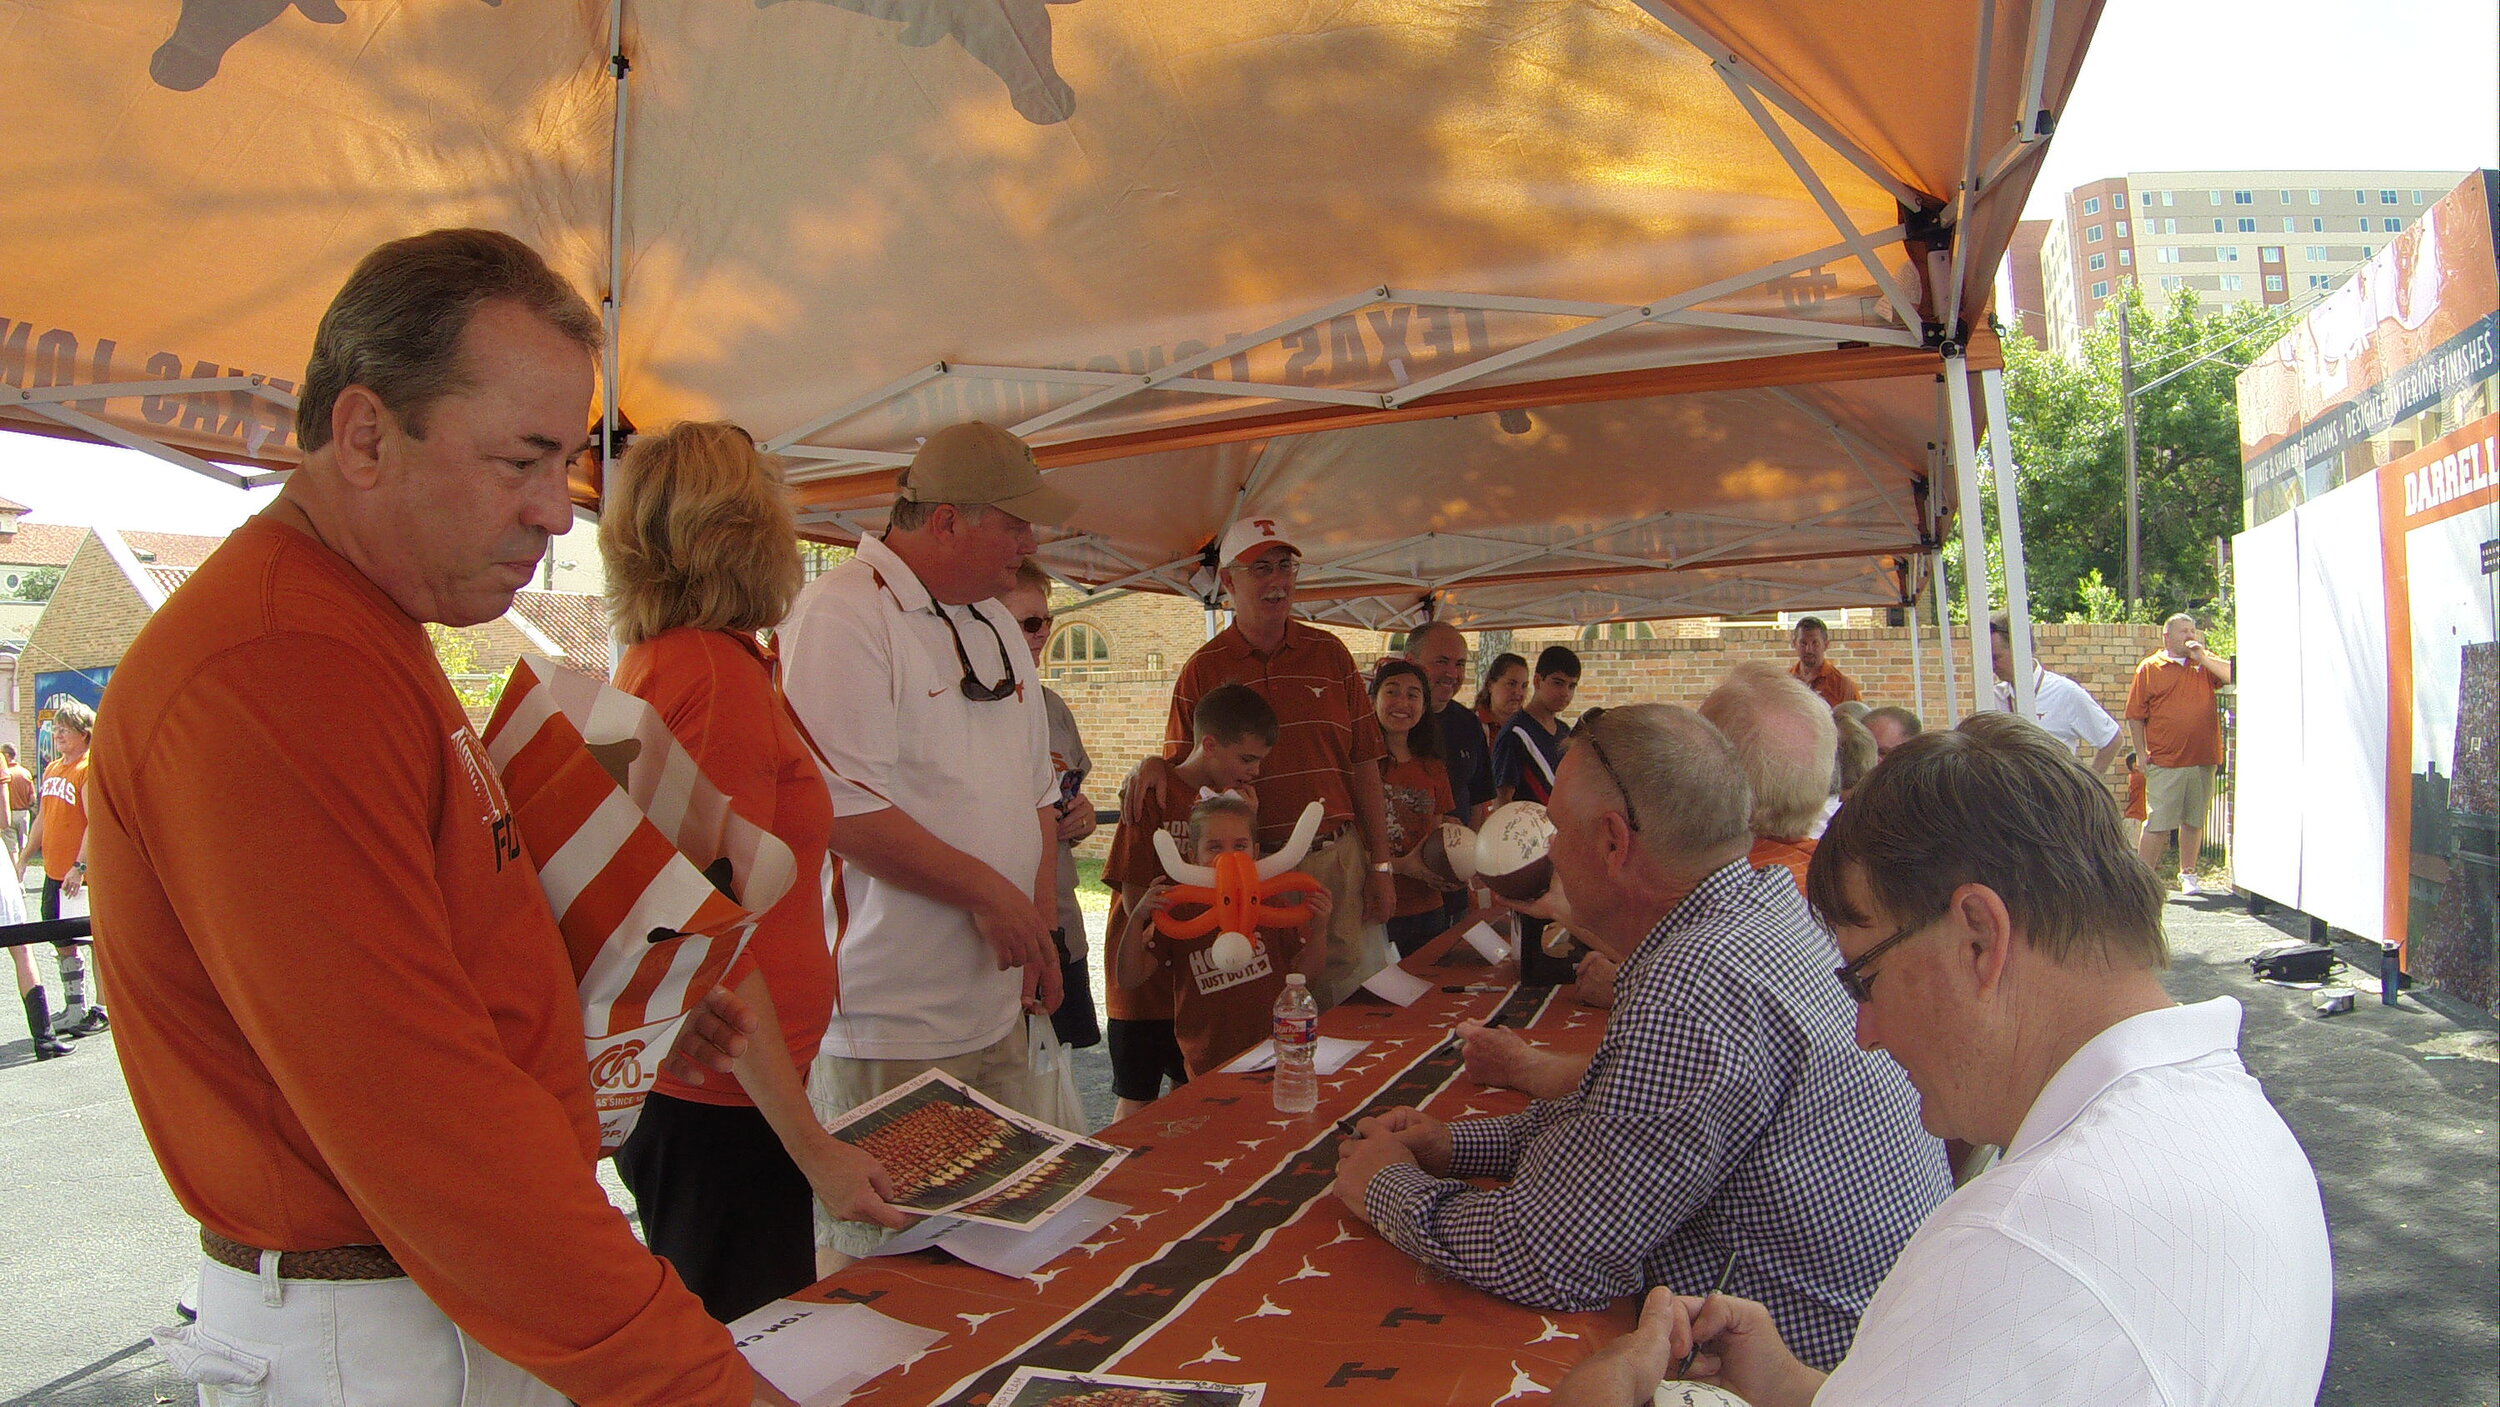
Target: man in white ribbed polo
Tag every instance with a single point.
(2063, 707)
(917, 688)
(2153, 1232)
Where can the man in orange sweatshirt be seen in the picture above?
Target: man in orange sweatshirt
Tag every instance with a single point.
(350, 1026)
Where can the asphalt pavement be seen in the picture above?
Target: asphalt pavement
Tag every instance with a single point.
(2398, 1107)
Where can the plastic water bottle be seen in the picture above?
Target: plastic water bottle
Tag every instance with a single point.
(1297, 1047)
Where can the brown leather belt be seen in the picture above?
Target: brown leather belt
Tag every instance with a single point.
(336, 1263)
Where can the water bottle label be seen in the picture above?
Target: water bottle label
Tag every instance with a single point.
(1301, 1030)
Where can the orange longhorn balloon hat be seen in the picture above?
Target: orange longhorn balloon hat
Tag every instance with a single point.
(1236, 889)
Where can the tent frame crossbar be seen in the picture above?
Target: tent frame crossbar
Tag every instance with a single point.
(1181, 377)
(1812, 180)
(55, 403)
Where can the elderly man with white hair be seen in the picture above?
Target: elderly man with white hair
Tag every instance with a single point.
(1725, 1108)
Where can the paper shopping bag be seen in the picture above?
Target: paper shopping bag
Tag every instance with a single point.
(654, 881)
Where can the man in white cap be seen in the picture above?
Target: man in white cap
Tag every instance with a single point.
(1328, 746)
(915, 685)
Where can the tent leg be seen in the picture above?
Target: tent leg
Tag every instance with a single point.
(2010, 534)
(1974, 531)
(1944, 636)
(1918, 666)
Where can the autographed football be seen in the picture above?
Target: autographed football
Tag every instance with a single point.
(1449, 851)
(1511, 851)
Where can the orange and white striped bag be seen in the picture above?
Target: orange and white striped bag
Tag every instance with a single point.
(655, 882)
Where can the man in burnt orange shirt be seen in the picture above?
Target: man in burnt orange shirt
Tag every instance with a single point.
(1815, 670)
(351, 1028)
(1328, 746)
(2177, 732)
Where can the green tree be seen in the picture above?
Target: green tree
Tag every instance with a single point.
(2070, 452)
(457, 653)
(37, 585)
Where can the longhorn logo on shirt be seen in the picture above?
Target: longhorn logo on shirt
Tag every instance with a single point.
(617, 1067)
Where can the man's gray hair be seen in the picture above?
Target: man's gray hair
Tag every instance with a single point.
(1788, 742)
(2178, 618)
(1415, 638)
(910, 515)
(1683, 780)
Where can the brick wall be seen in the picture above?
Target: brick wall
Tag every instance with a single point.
(1121, 714)
(91, 619)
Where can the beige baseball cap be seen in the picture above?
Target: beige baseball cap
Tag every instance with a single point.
(976, 462)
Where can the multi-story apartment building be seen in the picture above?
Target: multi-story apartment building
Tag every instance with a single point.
(2269, 237)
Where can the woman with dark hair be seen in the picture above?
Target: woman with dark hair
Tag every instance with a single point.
(1417, 789)
(1498, 699)
(701, 554)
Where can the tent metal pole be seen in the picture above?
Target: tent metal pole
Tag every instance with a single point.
(1974, 531)
(2010, 536)
(1918, 665)
(610, 372)
(1944, 634)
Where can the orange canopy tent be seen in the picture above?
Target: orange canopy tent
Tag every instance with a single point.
(1550, 311)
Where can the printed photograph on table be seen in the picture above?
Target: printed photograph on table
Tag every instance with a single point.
(1039, 1194)
(1047, 1387)
(945, 1144)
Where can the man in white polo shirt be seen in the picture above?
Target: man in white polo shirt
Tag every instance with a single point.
(2153, 1232)
(918, 689)
(2059, 704)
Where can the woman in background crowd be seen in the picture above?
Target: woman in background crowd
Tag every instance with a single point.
(1498, 699)
(1416, 788)
(701, 554)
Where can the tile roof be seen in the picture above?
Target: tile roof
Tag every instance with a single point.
(170, 549)
(576, 622)
(11, 505)
(41, 544)
(167, 578)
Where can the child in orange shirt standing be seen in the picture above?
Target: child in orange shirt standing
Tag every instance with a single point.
(60, 836)
(1217, 1014)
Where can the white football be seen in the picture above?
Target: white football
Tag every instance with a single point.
(1231, 952)
(1512, 851)
(1449, 850)
(1683, 1394)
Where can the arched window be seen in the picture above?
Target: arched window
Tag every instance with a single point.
(1076, 649)
(1617, 630)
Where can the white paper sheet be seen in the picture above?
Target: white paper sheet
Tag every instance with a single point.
(1007, 1251)
(1484, 940)
(1328, 1059)
(819, 1354)
(1395, 984)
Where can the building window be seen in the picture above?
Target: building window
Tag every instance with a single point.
(2247, 226)
(2166, 197)
(2166, 254)
(2126, 258)
(2360, 197)
(2213, 197)
(2318, 225)
(2100, 290)
(2091, 234)
(2367, 251)
(2228, 254)
(2230, 283)
(2287, 197)
(2098, 262)
(2274, 283)
(2417, 197)
(2272, 254)
(2390, 226)
(2321, 281)
(1617, 630)
(2169, 282)
(2092, 205)
(2314, 196)
(2386, 197)
(2316, 252)
(2122, 229)
(1076, 649)
(2119, 202)
(2243, 197)
(2217, 224)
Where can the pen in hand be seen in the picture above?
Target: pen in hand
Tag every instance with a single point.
(1726, 1273)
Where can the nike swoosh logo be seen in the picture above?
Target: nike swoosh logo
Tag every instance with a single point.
(933, 693)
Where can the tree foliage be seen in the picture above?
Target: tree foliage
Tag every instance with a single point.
(2070, 453)
(37, 585)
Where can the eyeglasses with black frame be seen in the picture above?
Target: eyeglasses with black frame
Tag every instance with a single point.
(1034, 625)
(972, 686)
(1597, 750)
(1860, 983)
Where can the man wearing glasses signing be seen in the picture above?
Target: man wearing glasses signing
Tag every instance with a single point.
(1725, 1111)
(915, 684)
(2153, 1233)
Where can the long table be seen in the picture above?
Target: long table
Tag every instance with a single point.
(1236, 1263)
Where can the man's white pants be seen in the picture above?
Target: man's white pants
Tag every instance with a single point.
(335, 1343)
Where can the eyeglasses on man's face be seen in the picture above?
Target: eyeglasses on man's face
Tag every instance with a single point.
(1860, 983)
(1035, 625)
(1272, 568)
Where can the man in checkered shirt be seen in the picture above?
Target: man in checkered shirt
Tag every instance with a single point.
(1728, 1108)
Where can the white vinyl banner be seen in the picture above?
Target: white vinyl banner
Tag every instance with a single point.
(2267, 805)
(2343, 672)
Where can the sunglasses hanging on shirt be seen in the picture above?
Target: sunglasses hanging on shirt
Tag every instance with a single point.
(972, 686)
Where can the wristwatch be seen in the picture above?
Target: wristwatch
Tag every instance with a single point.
(1382, 867)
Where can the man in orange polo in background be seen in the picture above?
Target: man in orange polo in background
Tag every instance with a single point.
(350, 1027)
(1813, 640)
(1328, 746)
(2177, 732)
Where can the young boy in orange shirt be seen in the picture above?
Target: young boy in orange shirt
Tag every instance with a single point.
(60, 836)
(1216, 1014)
(1232, 730)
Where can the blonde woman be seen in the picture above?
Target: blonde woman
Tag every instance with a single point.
(701, 554)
